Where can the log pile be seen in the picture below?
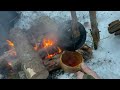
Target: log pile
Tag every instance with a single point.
(114, 27)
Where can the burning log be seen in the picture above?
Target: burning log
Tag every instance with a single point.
(31, 63)
(52, 64)
(45, 52)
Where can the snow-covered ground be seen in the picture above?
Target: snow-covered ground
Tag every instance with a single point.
(106, 60)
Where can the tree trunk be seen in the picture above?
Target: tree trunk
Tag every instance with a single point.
(95, 30)
(31, 63)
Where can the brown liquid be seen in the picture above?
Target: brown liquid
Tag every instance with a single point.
(71, 58)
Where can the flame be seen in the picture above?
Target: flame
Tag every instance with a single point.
(10, 43)
(50, 55)
(47, 43)
(11, 52)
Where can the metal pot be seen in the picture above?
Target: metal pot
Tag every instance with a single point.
(66, 42)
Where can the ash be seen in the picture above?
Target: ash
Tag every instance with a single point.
(60, 74)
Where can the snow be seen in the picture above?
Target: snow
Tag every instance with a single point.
(106, 60)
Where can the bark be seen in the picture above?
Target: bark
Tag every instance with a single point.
(95, 30)
(31, 63)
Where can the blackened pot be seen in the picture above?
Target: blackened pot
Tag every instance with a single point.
(66, 41)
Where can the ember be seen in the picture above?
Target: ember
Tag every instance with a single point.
(11, 45)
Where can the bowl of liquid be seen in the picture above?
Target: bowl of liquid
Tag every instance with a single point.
(71, 61)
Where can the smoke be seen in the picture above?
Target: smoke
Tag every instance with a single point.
(45, 22)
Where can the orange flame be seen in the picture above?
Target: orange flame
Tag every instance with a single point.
(10, 43)
(50, 55)
(47, 43)
(11, 51)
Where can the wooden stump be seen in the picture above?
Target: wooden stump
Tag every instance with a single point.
(31, 63)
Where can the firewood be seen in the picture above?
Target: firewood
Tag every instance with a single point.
(113, 23)
(86, 52)
(117, 32)
(45, 51)
(13, 61)
(31, 63)
(16, 62)
(53, 64)
(114, 28)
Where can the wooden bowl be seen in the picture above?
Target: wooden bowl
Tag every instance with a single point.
(71, 61)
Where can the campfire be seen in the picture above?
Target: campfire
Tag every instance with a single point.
(36, 56)
(47, 47)
(47, 43)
